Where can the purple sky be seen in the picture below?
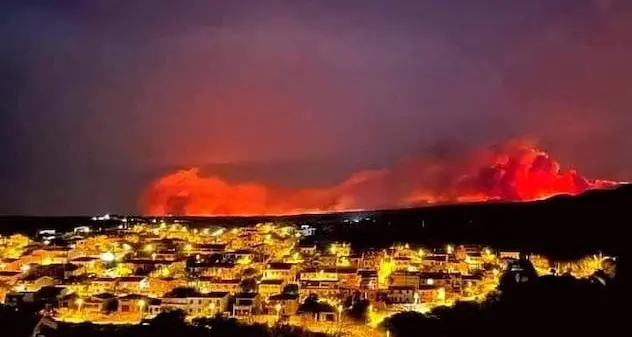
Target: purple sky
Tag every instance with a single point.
(98, 98)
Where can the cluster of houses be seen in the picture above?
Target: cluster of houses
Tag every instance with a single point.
(142, 270)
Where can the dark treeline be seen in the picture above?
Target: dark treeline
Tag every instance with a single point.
(547, 306)
(169, 324)
(561, 227)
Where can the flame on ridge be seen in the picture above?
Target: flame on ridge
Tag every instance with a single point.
(513, 171)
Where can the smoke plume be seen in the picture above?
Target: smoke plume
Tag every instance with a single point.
(512, 171)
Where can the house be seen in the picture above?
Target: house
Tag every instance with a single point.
(34, 282)
(218, 301)
(430, 293)
(404, 279)
(401, 294)
(435, 262)
(10, 264)
(307, 249)
(195, 303)
(241, 255)
(441, 279)
(104, 302)
(402, 262)
(340, 249)
(131, 284)
(133, 304)
(315, 274)
(9, 277)
(470, 281)
(208, 248)
(348, 276)
(19, 298)
(146, 266)
(325, 313)
(327, 260)
(279, 271)
(69, 300)
(246, 304)
(474, 261)
(207, 284)
(223, 270)
(165, 254)
(370, 260)
(355, 260)
(101, 285)
(509, 255)
(322, 289)
(157, 287)
(47, 255)
(287, 303)
(268, 288)
(59, 271)
(85, 261)
(368, 279)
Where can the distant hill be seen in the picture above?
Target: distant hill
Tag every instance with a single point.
(597, 219)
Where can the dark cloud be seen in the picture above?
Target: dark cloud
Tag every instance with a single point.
(100, 97)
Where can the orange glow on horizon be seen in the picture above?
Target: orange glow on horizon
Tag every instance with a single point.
(514, 171)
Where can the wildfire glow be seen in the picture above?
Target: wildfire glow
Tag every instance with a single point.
(515, 171)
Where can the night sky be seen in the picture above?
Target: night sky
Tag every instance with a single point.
(99, 98)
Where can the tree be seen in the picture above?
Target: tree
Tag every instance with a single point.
(249, 273)
(248, 285)
(360, 311)
(169, 321)
(313, 305)
(290, 289)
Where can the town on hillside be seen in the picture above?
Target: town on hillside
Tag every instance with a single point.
(274, 273)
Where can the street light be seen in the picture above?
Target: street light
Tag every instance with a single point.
(107, 257)
(148, 248)
(340, 313)
(278, 308)
(79, 303)
(141, 307)
(212, 307)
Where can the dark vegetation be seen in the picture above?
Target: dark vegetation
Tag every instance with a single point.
(172, 324)
(547, 306)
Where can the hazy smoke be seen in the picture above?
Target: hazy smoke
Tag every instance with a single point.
(512, 171)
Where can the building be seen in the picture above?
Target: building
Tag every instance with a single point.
(246, 304)
(368, 279)
(286, 303)
(316, 274)
(401, 294)
(210, 284)
(307, 249)
(322, 289)
(404, 279)
(280, 271)
(194, 303)
(131, 284)
(268, 288)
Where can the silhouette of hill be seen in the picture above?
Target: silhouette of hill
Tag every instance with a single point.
(560, 225)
